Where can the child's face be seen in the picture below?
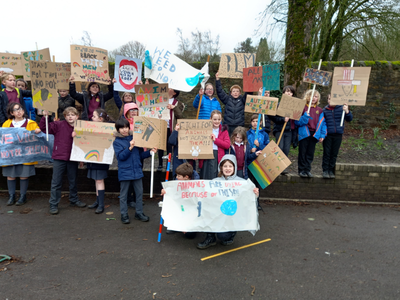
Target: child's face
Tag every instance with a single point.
(267, 94)
(228, 169)
(235, 93)
(289, 93)
(63, 93)
(124, 131)
(132, 113)
(71, 118)
(238, 138)
(315, 99)
(171, 93)
(254, 123)
(95, 117)
(21, 85)
(94, 89)
(9, 82)
(18, 112)
(180, 177)
(209, 90)
(128, 98)
(216, 120)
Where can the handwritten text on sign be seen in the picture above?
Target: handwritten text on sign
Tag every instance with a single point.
(63, 74)
(267, 76)
(11, 61)
(152, 100)
(261, 105)
(194, 139)
(315, 76)
(291, 107)
(19, 146)
(44, 85)
(232, 64)
(209, 206)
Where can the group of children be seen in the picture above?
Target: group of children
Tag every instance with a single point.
(234, 147)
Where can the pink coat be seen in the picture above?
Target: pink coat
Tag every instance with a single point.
(127, 107)
(222, 141)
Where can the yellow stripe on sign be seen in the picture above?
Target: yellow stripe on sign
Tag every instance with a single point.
(229, 251)
(355, 89)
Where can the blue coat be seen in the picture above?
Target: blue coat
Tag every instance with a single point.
(249, 157)
(207, 106)
(30, 110)
(263, 138)
(333, 118)
(304, 132)
(129, 162)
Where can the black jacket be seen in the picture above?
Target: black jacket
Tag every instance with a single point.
(63, 103)
(234, 108)
(4, 103)
(84, 98)
(279, 122)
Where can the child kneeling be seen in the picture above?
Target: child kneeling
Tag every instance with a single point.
(129, 169)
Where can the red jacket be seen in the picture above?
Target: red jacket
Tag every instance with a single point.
(222, 141)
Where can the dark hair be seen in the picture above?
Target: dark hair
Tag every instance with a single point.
(10, 109)
(221, 164)
(239, 131)
(90, 85)
(176, 93)
(20, 79)
(104, 115)
(121, 123)
(290, 88)
(184, 169)
(254, 116)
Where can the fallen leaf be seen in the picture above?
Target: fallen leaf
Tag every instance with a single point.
(102, 251)
(254, 289)
(109, 213)
(311, 219)
(165, 276)
(107, 206)
(144, 239)
(78, 239)
(148, 264)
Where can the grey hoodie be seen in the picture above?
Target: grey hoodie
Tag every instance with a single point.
(232, 158)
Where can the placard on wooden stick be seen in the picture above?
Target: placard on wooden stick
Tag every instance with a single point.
(350, 85)
(152, 100)
(291, 107)
(267, 76)
(315, 76)
(269, 164)
(150, 133)
(261, 105)
(63, 75)
(232, 64)
(37, 55)
(194, 139)
(11, 61)
(44, 85)
(89, 64)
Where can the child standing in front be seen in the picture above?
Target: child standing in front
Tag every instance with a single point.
(30, 110)
(221, 143)
(98, 172)
(312, 129)
(129, 169)
(18, 119)
(333, 140)
(63, 137)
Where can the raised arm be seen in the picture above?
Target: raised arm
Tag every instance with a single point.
(110, 93)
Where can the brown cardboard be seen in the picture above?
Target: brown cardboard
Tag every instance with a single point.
(44, 85)
(232, 64)
(63, 75)
(315, 76)
(194, 139)
(291, 107)
(350, 85)
(37, 55)
(12, 61)
(89, 64)
(150, 133)
(261, 105)
(152, 100)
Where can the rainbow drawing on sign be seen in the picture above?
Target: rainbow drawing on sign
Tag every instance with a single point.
(93, 153)
(261, 176)
(76, 64)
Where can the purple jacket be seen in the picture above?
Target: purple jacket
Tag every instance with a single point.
(62, 132)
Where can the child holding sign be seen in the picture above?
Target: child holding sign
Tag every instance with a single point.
(333, 140)
(30, 110)
(63, 132)
(221, 143)
(64, 101)
(18, 119)
(129, 169)
(208, 102)
(312, 129)
(234, 105)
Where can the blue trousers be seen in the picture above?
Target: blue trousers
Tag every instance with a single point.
(123, 197)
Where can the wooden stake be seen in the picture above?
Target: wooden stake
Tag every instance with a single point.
(343, 113)
(201, 96)
(283, 129)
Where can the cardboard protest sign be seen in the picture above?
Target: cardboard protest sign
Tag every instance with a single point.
(152, 100)
(315, 76)
(127, 72)
(89, 64)
(81, 86)
(269, 164)
(93, 142)
(291, 107)
(27, 56)
(261, 105)
(11, 63)
(232, 64)
(210, 206)
(271, 77)
(350, 85)
(19, 146)
(63, 74)
(44, 85)
(150, 133)
(168, 68)
(194, 139)
(252, 79)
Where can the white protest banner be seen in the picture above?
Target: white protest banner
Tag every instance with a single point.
(127, 72)
(168, 68)
(93, 142)
(152, 100)
(210, 206)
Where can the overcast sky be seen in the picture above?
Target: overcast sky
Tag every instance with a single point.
(57, 24)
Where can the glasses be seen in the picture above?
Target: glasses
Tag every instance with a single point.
(17, 109)
(209, 89)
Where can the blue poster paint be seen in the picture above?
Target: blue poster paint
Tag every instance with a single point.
(229, 207)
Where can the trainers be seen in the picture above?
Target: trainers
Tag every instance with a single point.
(325, 175)
(303, 174)
(141, 217)
(53, 210)
(331, 175)
(78, 204)
(210, 240)
(309, 174)
(125, 219)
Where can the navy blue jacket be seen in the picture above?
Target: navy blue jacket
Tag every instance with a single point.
(248, 158)
(333, 118)
(278, 124)
(129, 162)
(4, 103)
(173, 140)
(234, 107)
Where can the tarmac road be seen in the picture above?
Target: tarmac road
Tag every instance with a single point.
(316, 252)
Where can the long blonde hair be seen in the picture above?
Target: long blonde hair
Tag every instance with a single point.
(307, 96)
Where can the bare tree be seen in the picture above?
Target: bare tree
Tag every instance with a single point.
(133, 49)
(86, 39)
